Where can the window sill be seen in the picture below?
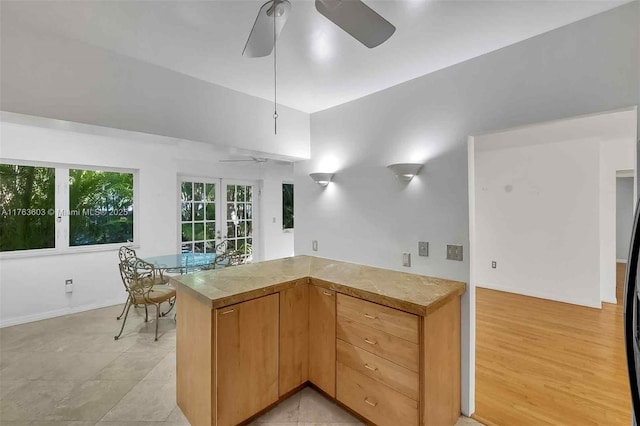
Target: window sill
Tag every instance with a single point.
(25, 254)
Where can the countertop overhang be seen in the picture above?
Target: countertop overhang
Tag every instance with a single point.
(417, 294)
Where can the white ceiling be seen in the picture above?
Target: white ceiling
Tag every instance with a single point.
(319, 66)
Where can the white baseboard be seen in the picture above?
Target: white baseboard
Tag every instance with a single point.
(58, 313)
(621, 260)
(539, 295)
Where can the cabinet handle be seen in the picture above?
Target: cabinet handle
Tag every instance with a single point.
(370, 316)
(367, 366)
(327, 293)
(371, 342)
(228, 312)
(373, 404)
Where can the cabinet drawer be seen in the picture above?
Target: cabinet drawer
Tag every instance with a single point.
(389, 320)
(387, 346)
(396, 377)
(373, 400)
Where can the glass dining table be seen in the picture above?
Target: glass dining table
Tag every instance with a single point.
(181, 262)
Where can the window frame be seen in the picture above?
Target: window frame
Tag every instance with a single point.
(61, 203)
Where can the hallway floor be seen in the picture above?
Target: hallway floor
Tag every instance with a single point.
(541, 362)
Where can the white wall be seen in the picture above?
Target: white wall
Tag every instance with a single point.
(46, 76)
(33, 287)
(624, 216)
(538, 215)
(366, 216)
(615, 155)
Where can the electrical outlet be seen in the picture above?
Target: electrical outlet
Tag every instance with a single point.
(423, 248)
(314, 245)
(494, 264)
(406, 259)
(68, 286)
(454, 252)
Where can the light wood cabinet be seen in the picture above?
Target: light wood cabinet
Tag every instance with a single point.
(247, 358)
(322, 339)
(294, 337)
(389, 366)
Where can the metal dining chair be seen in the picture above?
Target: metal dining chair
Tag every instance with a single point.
(141, 282)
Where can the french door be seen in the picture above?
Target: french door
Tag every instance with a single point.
(215, 210)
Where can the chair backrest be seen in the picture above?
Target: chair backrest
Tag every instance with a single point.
(138, 276)
(126, 253)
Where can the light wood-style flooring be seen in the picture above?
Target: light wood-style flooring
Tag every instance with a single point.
(540, 362)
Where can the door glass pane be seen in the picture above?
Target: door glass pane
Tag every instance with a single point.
(231, 193)
(240, 193)
(210, 246)
(198, 231)
(198, 247)
(231, 212)
(27, 207)
(248, 212)
(187, 191)
(211, 191)
(231, 230)
(187, 248)
(211, 231)
(199, 211)
(211, 211)
(198, 191)
(187, 232)
(249, 193)
(187, 213)
(240, 211)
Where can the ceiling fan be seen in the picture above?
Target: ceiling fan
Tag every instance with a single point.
(353, 16)
(256, 160)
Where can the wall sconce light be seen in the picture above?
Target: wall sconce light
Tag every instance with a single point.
(321, 179)
(405, 171)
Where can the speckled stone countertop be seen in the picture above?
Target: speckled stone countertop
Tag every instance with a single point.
(413, 293)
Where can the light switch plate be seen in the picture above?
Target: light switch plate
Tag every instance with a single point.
(494, 264)
(423, 248)
(406, 259)
(454, 252)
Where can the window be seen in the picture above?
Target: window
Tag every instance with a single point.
(287, 206)
(88, 208)
(100, 207)
(27, 200)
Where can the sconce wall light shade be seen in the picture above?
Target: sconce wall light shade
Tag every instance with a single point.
(405, 171)
(321, 179)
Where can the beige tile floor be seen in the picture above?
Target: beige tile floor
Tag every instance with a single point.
(68, 371)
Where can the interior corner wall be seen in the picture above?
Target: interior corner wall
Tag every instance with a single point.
(367, 216)
(32, 288)
(615, 155)
(624, 216)
(49, 76)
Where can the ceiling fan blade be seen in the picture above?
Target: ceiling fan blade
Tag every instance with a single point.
(234, 161)
(260, 42)
(359, 20)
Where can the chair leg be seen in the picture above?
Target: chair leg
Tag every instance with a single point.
(146, 314)
(172, 303)
(123, 322)
(157, 319)
(124, 308)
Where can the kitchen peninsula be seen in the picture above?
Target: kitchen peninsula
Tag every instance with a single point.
(385, 344)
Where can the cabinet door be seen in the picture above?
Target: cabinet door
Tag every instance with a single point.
(322, 339)
(294, 337)
(246, 359)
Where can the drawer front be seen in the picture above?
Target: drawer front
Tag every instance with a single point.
(375, 401)
(389, 320)
(396, 377)
(387, 346)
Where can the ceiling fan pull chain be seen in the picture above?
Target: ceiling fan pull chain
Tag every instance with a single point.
(275, 72)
